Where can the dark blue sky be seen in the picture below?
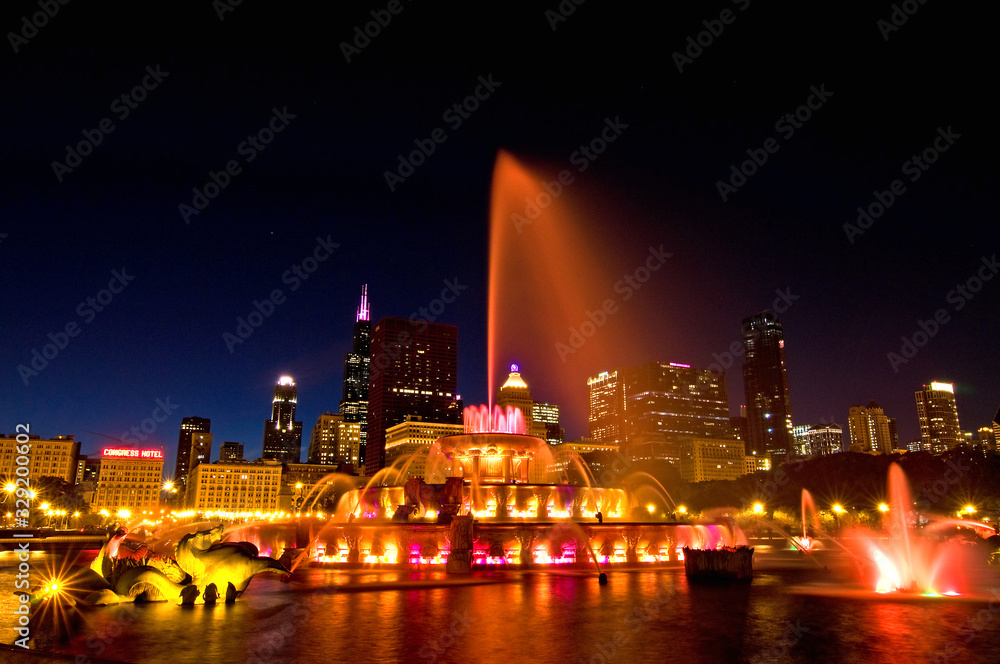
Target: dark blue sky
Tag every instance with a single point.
(211, 83)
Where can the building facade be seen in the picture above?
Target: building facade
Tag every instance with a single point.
(408, 444)
(545, 419)
(413, 371)
(937, 414)
(765, 385)
(706, 459)
(606, 408)
(647, 409)
(869, 429)
(231, 451)
(824, 439)
(52, 457)
(129, 479)
(335, 442)
(191, 450)
(282, 433)
(234, 486)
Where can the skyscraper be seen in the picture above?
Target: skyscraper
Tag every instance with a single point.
(606, 413)
(413, 371)
(765, 383)
(282, 434)
(354, 401)
(545, 419)
(938, 416)
(191, 450)
(869, 429)
(649, 408)
(667, 401)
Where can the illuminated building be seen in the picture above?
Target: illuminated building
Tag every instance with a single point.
(130, 479)
(599, 457)
(230, 486)
(987, 438)
(705, 459)
(765, 384)
(354, 400)
(869, 430)
(299, 490)
(413, 371)
(606, 412)
(411, 440)
(191, 451)
(545, 418)
(649, 408)
(674, 401)
(322, 443)
(335, 442)
(515, 393)
(938, 417)
(87, 469)
(282, 433)
(820, 440)
(56, 457)
(231, 451)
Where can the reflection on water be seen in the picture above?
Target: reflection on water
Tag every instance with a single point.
(385, 616)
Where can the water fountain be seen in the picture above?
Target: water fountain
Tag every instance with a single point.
(913, 554)
(490, 512)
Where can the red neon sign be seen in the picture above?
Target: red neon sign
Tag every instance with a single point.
(126, 453)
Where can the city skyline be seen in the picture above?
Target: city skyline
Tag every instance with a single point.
(187, 221)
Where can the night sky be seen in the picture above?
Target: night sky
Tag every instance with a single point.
(880, 96)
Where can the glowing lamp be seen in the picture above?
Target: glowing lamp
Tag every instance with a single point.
(970, 509)
(882, 507)
(758, 508)
(838, 509)
(682, 509)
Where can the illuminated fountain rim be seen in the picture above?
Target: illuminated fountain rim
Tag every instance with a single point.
(490, 443)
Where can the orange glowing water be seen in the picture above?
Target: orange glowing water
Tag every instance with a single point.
(545, 276)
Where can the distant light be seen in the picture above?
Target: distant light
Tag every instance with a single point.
(882, 507)
(970, 509)
(943, 387)
(286, 380)
(651, 507)
(838, 509)
(682, 509)
(758, 508)
(683, 366)
(514, 368)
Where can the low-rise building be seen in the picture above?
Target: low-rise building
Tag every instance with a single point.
(52, 457)
(129, 479)
(234, 486)
(409, 444)
(705, 459)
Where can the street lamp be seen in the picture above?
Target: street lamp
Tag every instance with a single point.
(837, 511)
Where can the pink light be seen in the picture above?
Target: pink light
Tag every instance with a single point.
(683, 366)
(363, 309)
(477, 419)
